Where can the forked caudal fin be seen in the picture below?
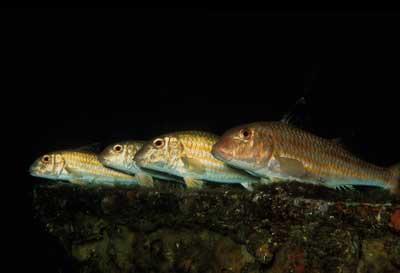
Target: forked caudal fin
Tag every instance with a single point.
(395, 169)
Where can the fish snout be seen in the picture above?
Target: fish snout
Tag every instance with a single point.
(221, 151)
(33, 170)
(139, 158)
(104, 159)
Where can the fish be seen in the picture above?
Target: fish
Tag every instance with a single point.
(120, 156)
(78, 167)
(279, 151)
(187, 154)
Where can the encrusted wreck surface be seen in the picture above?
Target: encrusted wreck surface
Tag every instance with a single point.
(282, 228)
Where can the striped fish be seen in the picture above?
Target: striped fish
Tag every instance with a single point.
(282, 152)
(188, 155)
(120, 156)
(79, 167)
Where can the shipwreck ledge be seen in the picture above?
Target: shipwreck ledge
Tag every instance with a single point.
(287, 227)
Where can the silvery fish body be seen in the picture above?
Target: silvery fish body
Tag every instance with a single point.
(282, 152)
(187, 154)
(120, 156)
(79, 167)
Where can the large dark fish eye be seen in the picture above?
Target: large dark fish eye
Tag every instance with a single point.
(158, 143)
(245, 133)
(117, 148)
(46, 158)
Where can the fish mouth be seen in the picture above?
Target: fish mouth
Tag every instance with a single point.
(151, 167)
(140, 163)
(139, 159)
(109, 163)
(145, 166)
(104, 157)
(103, 160)
(33, 171)
(34, 174)
(220, 154)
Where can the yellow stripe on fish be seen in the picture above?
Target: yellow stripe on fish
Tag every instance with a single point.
(80, 167)
(187, 154)
(280, 151)
(120, 156)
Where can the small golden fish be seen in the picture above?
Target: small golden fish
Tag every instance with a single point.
(282, 152)
(120, 156)
(188, 154)
(79, 167)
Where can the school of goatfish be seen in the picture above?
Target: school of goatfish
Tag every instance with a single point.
(256, 153)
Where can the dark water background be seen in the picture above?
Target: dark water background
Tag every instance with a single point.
(83, 76)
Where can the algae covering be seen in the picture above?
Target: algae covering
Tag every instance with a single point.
(282, 228)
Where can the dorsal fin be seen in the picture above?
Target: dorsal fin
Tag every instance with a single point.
(288, 118)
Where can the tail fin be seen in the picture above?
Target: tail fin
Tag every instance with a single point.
(395, 169)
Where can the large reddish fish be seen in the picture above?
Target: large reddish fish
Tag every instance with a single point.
(279, 151)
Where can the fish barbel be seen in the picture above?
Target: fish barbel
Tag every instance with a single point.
(282, 152)
(79, 167)
(120, 156)
(187, 154)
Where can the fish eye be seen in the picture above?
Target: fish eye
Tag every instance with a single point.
(245, 133)
(46, 158)
(117, 148)
(158, 143)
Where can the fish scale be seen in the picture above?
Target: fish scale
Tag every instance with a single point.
(120, 156)
(88, 162)
(188, 154)
(323, 156)
(278, 150)
(199, 145)
(79, 167)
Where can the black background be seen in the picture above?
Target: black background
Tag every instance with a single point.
(74, 77)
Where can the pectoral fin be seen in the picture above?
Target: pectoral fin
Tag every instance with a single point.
(193, 183)
(75, 171)
(292, 167)
(144, 179)
(193, 165)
